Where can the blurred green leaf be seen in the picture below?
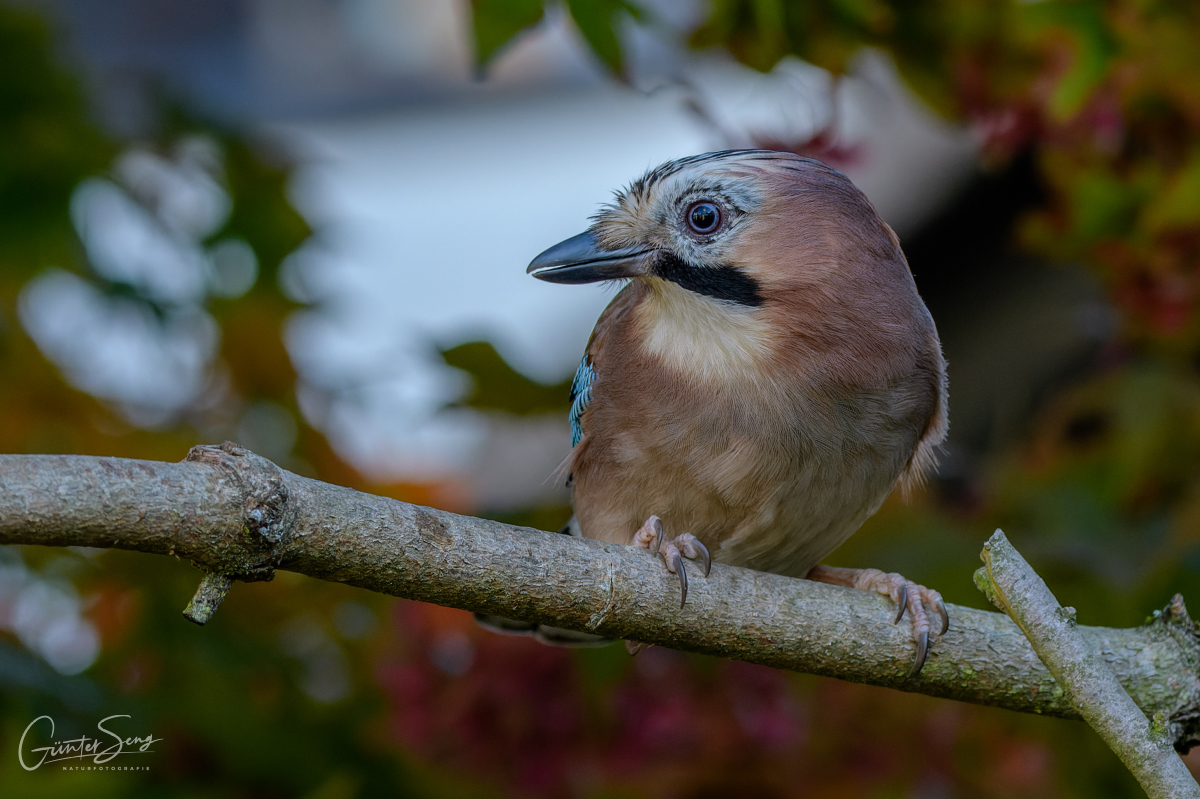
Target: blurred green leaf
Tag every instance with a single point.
(1093, 49)
(497, 386)
(497, 22)
(1178, 206)
(47, 141)
(753, 30)
(599, 21)
(1102, 205)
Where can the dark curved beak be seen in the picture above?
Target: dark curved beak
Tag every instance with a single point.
(580, 260)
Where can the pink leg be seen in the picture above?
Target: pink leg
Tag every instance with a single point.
(918, 600)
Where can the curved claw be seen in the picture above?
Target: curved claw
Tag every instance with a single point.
(941, 609)
(675, 565)
(694, 548)
(922, 653)
(903, 602)
(657, 524)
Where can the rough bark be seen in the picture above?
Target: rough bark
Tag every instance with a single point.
(236, 515)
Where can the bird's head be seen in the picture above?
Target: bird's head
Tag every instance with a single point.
(753, 263)
(737, 226)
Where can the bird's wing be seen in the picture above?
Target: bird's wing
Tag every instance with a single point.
(593, 357)
(924, 458)
(581, 395)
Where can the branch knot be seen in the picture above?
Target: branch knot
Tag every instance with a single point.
(268, 512)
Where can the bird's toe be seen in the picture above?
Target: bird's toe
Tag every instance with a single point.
(676, 550)
(919, 602)
(693, 549)
(650, 536)
(919, 620)
(923, 604)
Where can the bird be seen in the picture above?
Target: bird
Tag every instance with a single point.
(765, 378)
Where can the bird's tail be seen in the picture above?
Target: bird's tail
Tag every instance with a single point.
(555, 636)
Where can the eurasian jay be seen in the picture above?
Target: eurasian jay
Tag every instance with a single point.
(764, 380)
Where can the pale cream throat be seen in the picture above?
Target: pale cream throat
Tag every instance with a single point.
(703, 338)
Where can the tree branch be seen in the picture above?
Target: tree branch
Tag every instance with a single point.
(236, 515)
(1142, 744)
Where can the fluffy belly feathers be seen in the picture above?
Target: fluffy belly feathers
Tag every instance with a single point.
(765, 481)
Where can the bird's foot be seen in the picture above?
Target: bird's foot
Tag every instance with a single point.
(919, 601)
(650, 536)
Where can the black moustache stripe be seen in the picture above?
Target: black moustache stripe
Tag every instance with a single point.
(721, 282)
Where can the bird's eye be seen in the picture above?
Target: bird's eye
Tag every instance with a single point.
(704, 217)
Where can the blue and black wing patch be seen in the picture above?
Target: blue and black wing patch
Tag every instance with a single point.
(581, 395)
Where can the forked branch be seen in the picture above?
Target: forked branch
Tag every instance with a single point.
(237, 516)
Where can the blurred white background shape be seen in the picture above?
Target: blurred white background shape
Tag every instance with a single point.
(428, 218)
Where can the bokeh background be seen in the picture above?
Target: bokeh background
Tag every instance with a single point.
(303, 225)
